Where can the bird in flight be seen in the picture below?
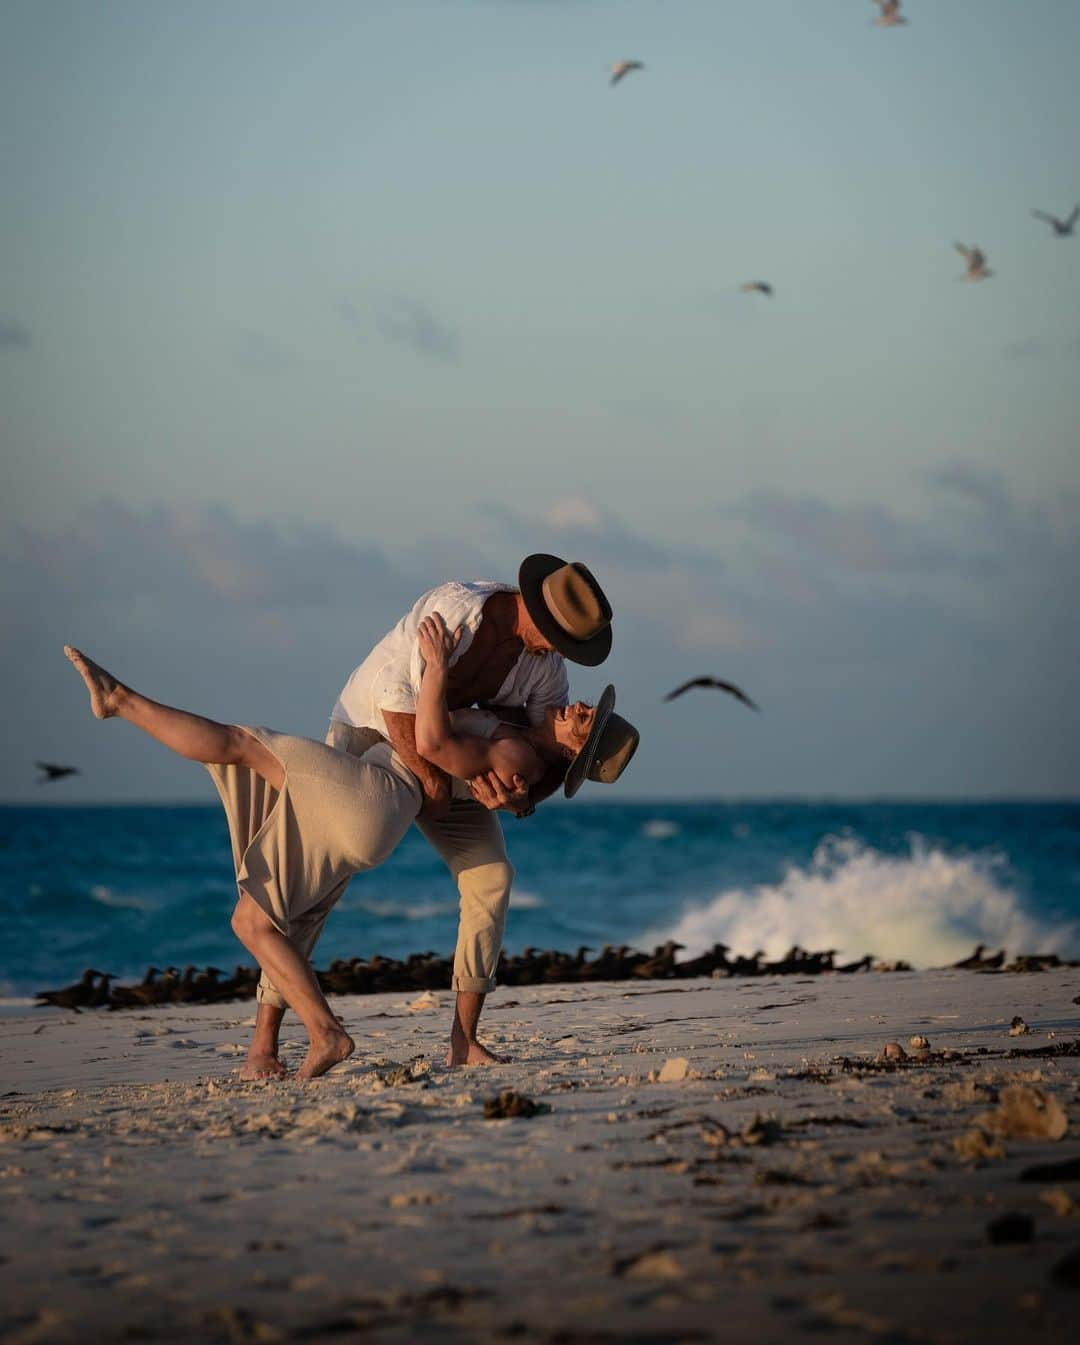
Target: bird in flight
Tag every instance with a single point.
(890, 16)
(623, 68)
(977, 268)
(757, 287)
(729, 687)
(1062, 227)
(51, 772)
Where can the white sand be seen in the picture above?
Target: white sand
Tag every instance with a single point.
(148, 1194)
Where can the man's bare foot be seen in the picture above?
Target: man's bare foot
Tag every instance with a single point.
(105, 691)
(465, 1052)
(324, 1053)
(262, 1065)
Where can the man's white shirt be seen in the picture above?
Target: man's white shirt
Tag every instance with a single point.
(389, 678)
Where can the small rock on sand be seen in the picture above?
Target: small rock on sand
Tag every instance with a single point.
(892, 1050)
(1059, 1200)
(407, 1199)
(508, 1103)
(1018, 1028)
(919, 1044)
(1011, 1227)
(654, 1265)
(762, 1130)
(977, 1144)
(1025, 1113)
(678, 1067)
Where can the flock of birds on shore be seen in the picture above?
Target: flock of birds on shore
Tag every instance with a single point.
(428, 971)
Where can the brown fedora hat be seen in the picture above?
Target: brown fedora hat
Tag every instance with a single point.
(612, 741)
(568, 607)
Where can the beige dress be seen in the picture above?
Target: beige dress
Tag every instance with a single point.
(294, 849)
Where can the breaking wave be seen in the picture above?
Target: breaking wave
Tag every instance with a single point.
(660, 829)
(926, 907)
(120, 900)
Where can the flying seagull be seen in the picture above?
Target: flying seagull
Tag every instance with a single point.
(977, 268)
(729, 687)
(890, 16)
(51, 772)
(757, 287)
(623, 68)
(1062, 227)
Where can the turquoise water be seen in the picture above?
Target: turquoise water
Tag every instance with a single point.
(121, 887)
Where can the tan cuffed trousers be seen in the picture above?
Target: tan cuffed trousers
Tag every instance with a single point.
(470, 841)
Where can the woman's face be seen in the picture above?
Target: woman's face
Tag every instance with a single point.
(571, 724)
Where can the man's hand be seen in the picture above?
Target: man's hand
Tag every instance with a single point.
(489, 790)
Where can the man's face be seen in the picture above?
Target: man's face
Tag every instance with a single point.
(532, 639)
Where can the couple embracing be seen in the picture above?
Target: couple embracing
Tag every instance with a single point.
(461, 711)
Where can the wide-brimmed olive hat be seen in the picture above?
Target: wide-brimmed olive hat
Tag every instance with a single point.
(612, 741)
(568, 606)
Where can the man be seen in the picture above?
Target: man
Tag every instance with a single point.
(510, 657)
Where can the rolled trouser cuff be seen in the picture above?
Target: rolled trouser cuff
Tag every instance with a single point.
(485, 895)
(266, 994)
(473, 985)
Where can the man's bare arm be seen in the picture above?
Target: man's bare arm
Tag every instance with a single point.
(401, 730)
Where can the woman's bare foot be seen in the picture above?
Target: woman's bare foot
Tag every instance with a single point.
(465, 1052)
(326, 1051)
(105, 691)
(262, 1065)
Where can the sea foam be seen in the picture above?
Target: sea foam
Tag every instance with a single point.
(926, 907)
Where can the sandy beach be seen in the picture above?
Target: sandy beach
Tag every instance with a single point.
(712, 1160)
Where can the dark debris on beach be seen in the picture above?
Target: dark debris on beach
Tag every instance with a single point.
(429, 971)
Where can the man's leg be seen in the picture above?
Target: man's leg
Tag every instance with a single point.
(470, 840)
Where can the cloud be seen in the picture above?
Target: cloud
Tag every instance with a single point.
(852, 537)
(257, 354)
(407, 322)
(573, 511)
(889, 653)
(14, 335)
(401, 321)
(1028, 348)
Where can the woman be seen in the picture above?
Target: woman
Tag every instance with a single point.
(304, 818)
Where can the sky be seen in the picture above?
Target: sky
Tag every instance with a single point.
(307, 308)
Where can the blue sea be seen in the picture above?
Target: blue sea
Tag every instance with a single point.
(119, 888)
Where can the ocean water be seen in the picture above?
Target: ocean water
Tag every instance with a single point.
(122, 887)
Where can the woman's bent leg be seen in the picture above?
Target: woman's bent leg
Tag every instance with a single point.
(292, 975)
(188, 735)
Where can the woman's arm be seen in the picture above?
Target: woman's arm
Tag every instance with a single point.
(461, 754)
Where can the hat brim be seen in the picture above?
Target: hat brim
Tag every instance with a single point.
(579, 767)
(534, 570)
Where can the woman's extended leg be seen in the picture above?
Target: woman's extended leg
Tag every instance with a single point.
(293, 977)
(188, 735)
(212, 743)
